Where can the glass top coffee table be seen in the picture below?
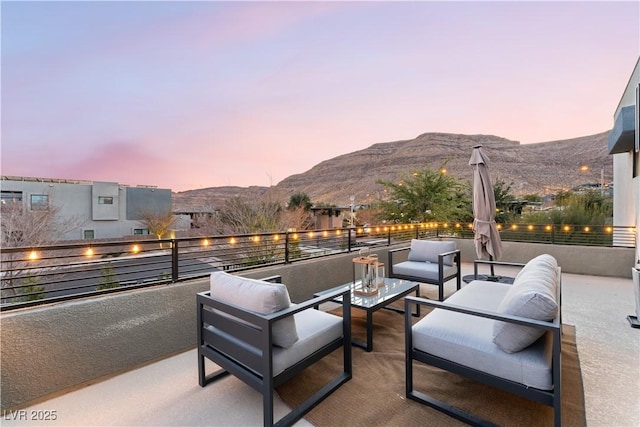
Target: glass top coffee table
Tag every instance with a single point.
(392, 290)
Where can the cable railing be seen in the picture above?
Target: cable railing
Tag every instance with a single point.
(32, 276)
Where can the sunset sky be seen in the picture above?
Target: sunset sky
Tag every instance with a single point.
(187, 95)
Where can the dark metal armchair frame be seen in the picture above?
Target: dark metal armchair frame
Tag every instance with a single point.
(441, 277)
(241, 344)
(546, 397)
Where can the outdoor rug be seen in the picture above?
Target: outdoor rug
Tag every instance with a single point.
(375, 396)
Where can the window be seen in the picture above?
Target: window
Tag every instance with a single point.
(11, 196)
(88, 234)
(39, 202)
(140, 231)
(11, 199)
(102, 200)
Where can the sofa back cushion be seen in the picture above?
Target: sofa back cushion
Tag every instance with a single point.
(257, 296)
(532, 295)
(428, 250)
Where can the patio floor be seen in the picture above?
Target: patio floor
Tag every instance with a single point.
(166, 393)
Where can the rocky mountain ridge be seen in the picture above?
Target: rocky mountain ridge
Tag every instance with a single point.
(540, 168)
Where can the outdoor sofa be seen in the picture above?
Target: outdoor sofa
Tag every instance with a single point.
(251, 330)
(507, 336)
(428, 261)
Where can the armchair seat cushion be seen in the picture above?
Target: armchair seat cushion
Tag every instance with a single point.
(316, 329)
(426, 270)
(468, 340)
(260, 297)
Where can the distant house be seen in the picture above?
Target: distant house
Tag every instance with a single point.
(624, 146)
(103, 209)
(330, 217)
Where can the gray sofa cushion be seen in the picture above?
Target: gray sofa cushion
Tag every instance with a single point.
(532, 295)
(260, 297)
(426, 270)
(467, 339)
(428, 251)
(315, 330)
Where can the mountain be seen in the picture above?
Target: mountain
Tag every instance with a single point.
(541, 168)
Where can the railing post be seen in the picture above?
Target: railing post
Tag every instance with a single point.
(286, 247)
(174, 260)
(417, 232)
(553, 234)
(349, 241)
(388, 236)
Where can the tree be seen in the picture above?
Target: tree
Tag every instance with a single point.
(108, 279)
(297, 219)
(579, 208)
(426, 195)
(298, 200)
(535, 198)
(239, 216)
(26, 227)
(22, 226)
(158, 222)
(505, 202)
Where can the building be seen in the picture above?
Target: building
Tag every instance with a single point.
(330, 217)
(101, 210)
(624, 146)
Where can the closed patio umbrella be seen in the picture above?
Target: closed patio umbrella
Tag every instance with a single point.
(486, 236)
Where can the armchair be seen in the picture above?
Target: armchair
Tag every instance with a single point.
(250, 329)
(428, 261)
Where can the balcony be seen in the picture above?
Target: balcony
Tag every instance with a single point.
(128, 358)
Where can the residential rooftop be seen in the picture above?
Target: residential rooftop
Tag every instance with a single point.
(166, 392)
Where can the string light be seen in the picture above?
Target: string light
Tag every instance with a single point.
(135, 249)
(33, 255)
(89, 252)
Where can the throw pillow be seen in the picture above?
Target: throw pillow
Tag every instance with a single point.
(532, 295)
(260, 297)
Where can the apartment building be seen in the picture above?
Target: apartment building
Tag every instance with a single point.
(624, 146)
(98, 210)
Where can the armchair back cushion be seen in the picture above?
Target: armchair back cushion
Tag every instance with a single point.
(532, 295)
(428, 251)
(258, 296)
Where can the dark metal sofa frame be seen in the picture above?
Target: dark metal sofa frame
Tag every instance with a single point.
(241, 344)
(441, 277)
(546, 397)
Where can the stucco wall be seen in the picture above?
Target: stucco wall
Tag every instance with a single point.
(589, 260)
(61, 346)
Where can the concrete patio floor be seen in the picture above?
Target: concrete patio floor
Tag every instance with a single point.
(166, 393)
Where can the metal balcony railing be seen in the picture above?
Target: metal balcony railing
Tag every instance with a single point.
(32, 276)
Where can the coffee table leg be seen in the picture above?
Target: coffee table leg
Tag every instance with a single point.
(369, 330)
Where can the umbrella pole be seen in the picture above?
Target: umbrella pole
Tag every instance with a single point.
(491, 259)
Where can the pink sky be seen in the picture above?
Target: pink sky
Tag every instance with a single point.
(186, 95)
